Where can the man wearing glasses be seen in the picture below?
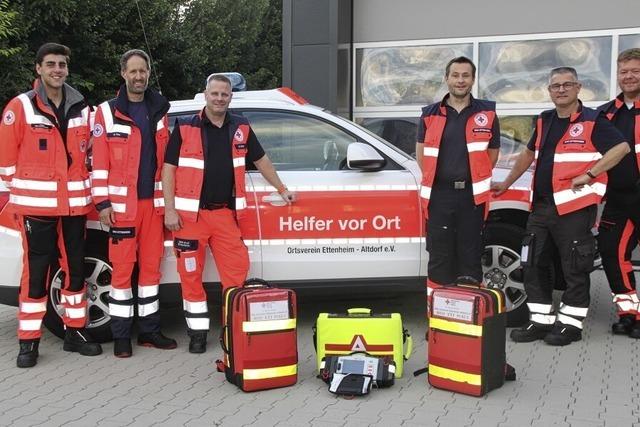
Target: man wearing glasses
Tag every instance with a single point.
(572, 146)
(620, 222)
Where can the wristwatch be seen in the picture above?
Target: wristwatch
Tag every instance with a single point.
(590, 174)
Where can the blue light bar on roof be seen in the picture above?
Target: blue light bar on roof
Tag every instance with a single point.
(238, 82)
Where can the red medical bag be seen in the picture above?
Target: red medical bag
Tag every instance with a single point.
(259, 336)
(467, 327)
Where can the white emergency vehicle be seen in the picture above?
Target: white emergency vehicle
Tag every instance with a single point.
(356, 223)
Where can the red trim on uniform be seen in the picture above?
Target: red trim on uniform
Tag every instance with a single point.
(625, 264)
(477, 129)
(21, 140)
(564, 172)
(122, 160)
(188, 180)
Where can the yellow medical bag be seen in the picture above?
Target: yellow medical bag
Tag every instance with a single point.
(360, 330)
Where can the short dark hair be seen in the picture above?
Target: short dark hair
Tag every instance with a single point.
(219, 78)
(563, 70)
(52, 48)
(134, 52)
(629, 54)
(460, 60)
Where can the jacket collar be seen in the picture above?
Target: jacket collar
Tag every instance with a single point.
(71, 95)
(156, 103)
(443, 103)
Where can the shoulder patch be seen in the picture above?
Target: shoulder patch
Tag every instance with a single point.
(9, 118)
(98, 130)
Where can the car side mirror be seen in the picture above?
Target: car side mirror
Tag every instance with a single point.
(364, 157)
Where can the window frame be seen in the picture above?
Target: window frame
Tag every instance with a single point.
(503, 109)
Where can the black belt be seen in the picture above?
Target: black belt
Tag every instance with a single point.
(452, 185)
(213, 206)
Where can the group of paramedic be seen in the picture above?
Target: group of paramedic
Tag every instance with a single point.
(45, 136)
(575, 151)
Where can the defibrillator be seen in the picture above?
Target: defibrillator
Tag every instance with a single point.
(359, 330)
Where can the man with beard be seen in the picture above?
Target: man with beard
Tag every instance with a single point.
(130, 138)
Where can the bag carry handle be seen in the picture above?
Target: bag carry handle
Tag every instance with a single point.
(222, 344)
(256, 282)
(406, 337)
(359, 311)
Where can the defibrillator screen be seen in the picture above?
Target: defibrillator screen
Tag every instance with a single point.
(350, 366)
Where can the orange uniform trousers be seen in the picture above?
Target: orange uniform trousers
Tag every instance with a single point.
(140, 240)
(219, 230)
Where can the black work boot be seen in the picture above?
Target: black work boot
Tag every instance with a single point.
(562, 334)
(635, 331)
(198, 343)
(624, 325)
(122, 347)
(28, 355)
(156, 340)
(79, 340)
(530, 332)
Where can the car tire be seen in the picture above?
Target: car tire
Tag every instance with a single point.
(502, 270)
(98, 278)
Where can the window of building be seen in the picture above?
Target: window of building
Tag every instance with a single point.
(628, 41)
(410, 75)
(393, 80)
(517, 71)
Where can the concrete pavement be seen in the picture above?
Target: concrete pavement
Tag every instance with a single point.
(590, 383)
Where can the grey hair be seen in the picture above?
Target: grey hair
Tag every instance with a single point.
(134, 52)
(563, 70)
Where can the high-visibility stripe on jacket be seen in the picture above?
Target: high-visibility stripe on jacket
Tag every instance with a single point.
(574, 155)
(190, 170)
(117, 143)
(612, 107)
(478, 133)
(45, 175)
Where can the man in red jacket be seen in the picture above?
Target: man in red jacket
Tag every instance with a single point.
(44, 136)
(130, 137)
(619, 229)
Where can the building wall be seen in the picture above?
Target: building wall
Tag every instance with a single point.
(313, 33)
(384, 20)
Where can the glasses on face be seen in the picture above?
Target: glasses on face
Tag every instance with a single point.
(566, 86)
